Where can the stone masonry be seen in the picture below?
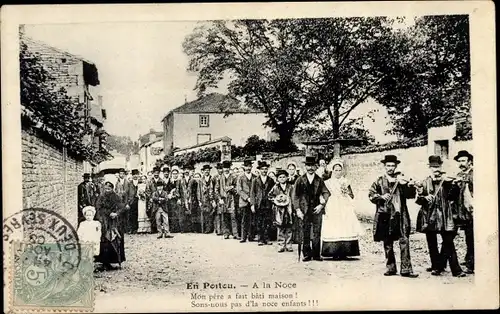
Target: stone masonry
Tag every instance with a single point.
(50, 179)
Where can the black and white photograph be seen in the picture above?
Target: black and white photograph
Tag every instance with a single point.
(249, 157)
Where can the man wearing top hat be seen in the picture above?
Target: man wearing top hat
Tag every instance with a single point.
(243, 186)
(86, 195)
(261, 206)
(389, 193)
(464, 204)
(132, 202)
(224, 191)
(207, 201)
(435, 196)
(121, 183)
(309, 197)
(218, 212)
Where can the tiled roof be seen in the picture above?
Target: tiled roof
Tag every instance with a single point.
(215, 103)
(462, 120)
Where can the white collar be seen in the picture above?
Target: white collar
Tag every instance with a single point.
(263, 178)
(389, 178)
(248, 175)
(310, 177)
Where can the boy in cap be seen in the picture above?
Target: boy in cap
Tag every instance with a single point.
(392, 220)
(151, 187)
(464, 204)
(281, 195)
(160, 210)
(435, 195)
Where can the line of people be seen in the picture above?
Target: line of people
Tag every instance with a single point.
(314, 209)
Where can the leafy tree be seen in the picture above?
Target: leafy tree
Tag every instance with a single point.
(123, 144)
(434, 79)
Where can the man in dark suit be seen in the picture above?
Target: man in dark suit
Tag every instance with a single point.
(243, 186)
(261, 205)
(310, 195)
(86, 195)
(132, 202)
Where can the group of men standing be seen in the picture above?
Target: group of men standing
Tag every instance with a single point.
(446, 206)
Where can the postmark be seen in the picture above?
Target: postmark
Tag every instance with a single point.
(49, 269)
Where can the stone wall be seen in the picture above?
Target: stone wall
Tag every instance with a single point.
(49, 178)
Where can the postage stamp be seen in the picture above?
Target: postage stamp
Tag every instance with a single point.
(49, 269)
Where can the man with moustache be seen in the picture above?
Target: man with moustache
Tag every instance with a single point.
(435, 195)
(219, 209)
(309, 196)
(176, 201)
(86, 196)
(243, 186)
(237, 212)
(208, 204)
(464, 204)
(261, 205)
(392, 220)
(224, 194)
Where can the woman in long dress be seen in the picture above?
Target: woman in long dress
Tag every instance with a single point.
(143, 219)
(341, 228)
(110, 212)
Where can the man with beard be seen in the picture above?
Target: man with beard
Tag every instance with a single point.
(435, 196)
(392, 220)
(237, 213)
(464, 204)
(261, 205)
(86, 195)
(243, 186)
(132, 202)
(151, 187)
(176, 201)
(225, 189)
(310, 195)
(208, 204)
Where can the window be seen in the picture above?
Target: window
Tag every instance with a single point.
(202, 138)
(441, 148)
(204, 123)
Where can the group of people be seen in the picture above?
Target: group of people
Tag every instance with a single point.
(314, 210)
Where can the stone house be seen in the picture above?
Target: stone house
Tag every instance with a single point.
(150, 150)
(211, 117)
(51, 174)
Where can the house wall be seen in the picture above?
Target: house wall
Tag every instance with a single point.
(147, 159)
(49, 178)
(168, 133)
(194, 149)
(236, 126)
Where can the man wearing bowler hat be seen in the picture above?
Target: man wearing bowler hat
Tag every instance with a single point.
(86, 195)
(392, 220)
(464, 204)
(243, 187)
(261, 206)
(309, 196)
(435, 196)
(225, 189)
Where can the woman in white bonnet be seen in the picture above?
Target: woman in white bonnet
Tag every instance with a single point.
(341, 228)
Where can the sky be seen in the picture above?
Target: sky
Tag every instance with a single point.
(142, 71)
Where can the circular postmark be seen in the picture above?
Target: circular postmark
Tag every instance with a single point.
(40, 231)
(50, 266)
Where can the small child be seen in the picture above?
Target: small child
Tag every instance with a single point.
(160, 198)
(89, 230)
(280, 195)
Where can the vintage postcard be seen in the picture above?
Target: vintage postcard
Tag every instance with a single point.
(249, 157)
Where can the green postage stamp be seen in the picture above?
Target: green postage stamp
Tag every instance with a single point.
(49, 277)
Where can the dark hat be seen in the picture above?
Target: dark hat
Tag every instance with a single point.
(281, 172)
(226, 164)
(464, 153)
(135, 172)
(435, 160)
(310, 160)
(156, 169)
(189, 166)
(262, 164)
(390, 158)
(86, 175)
(206, 167)
(219, 165)
(159, 183)
(166, 169)
(248, 163)
(121, 170)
